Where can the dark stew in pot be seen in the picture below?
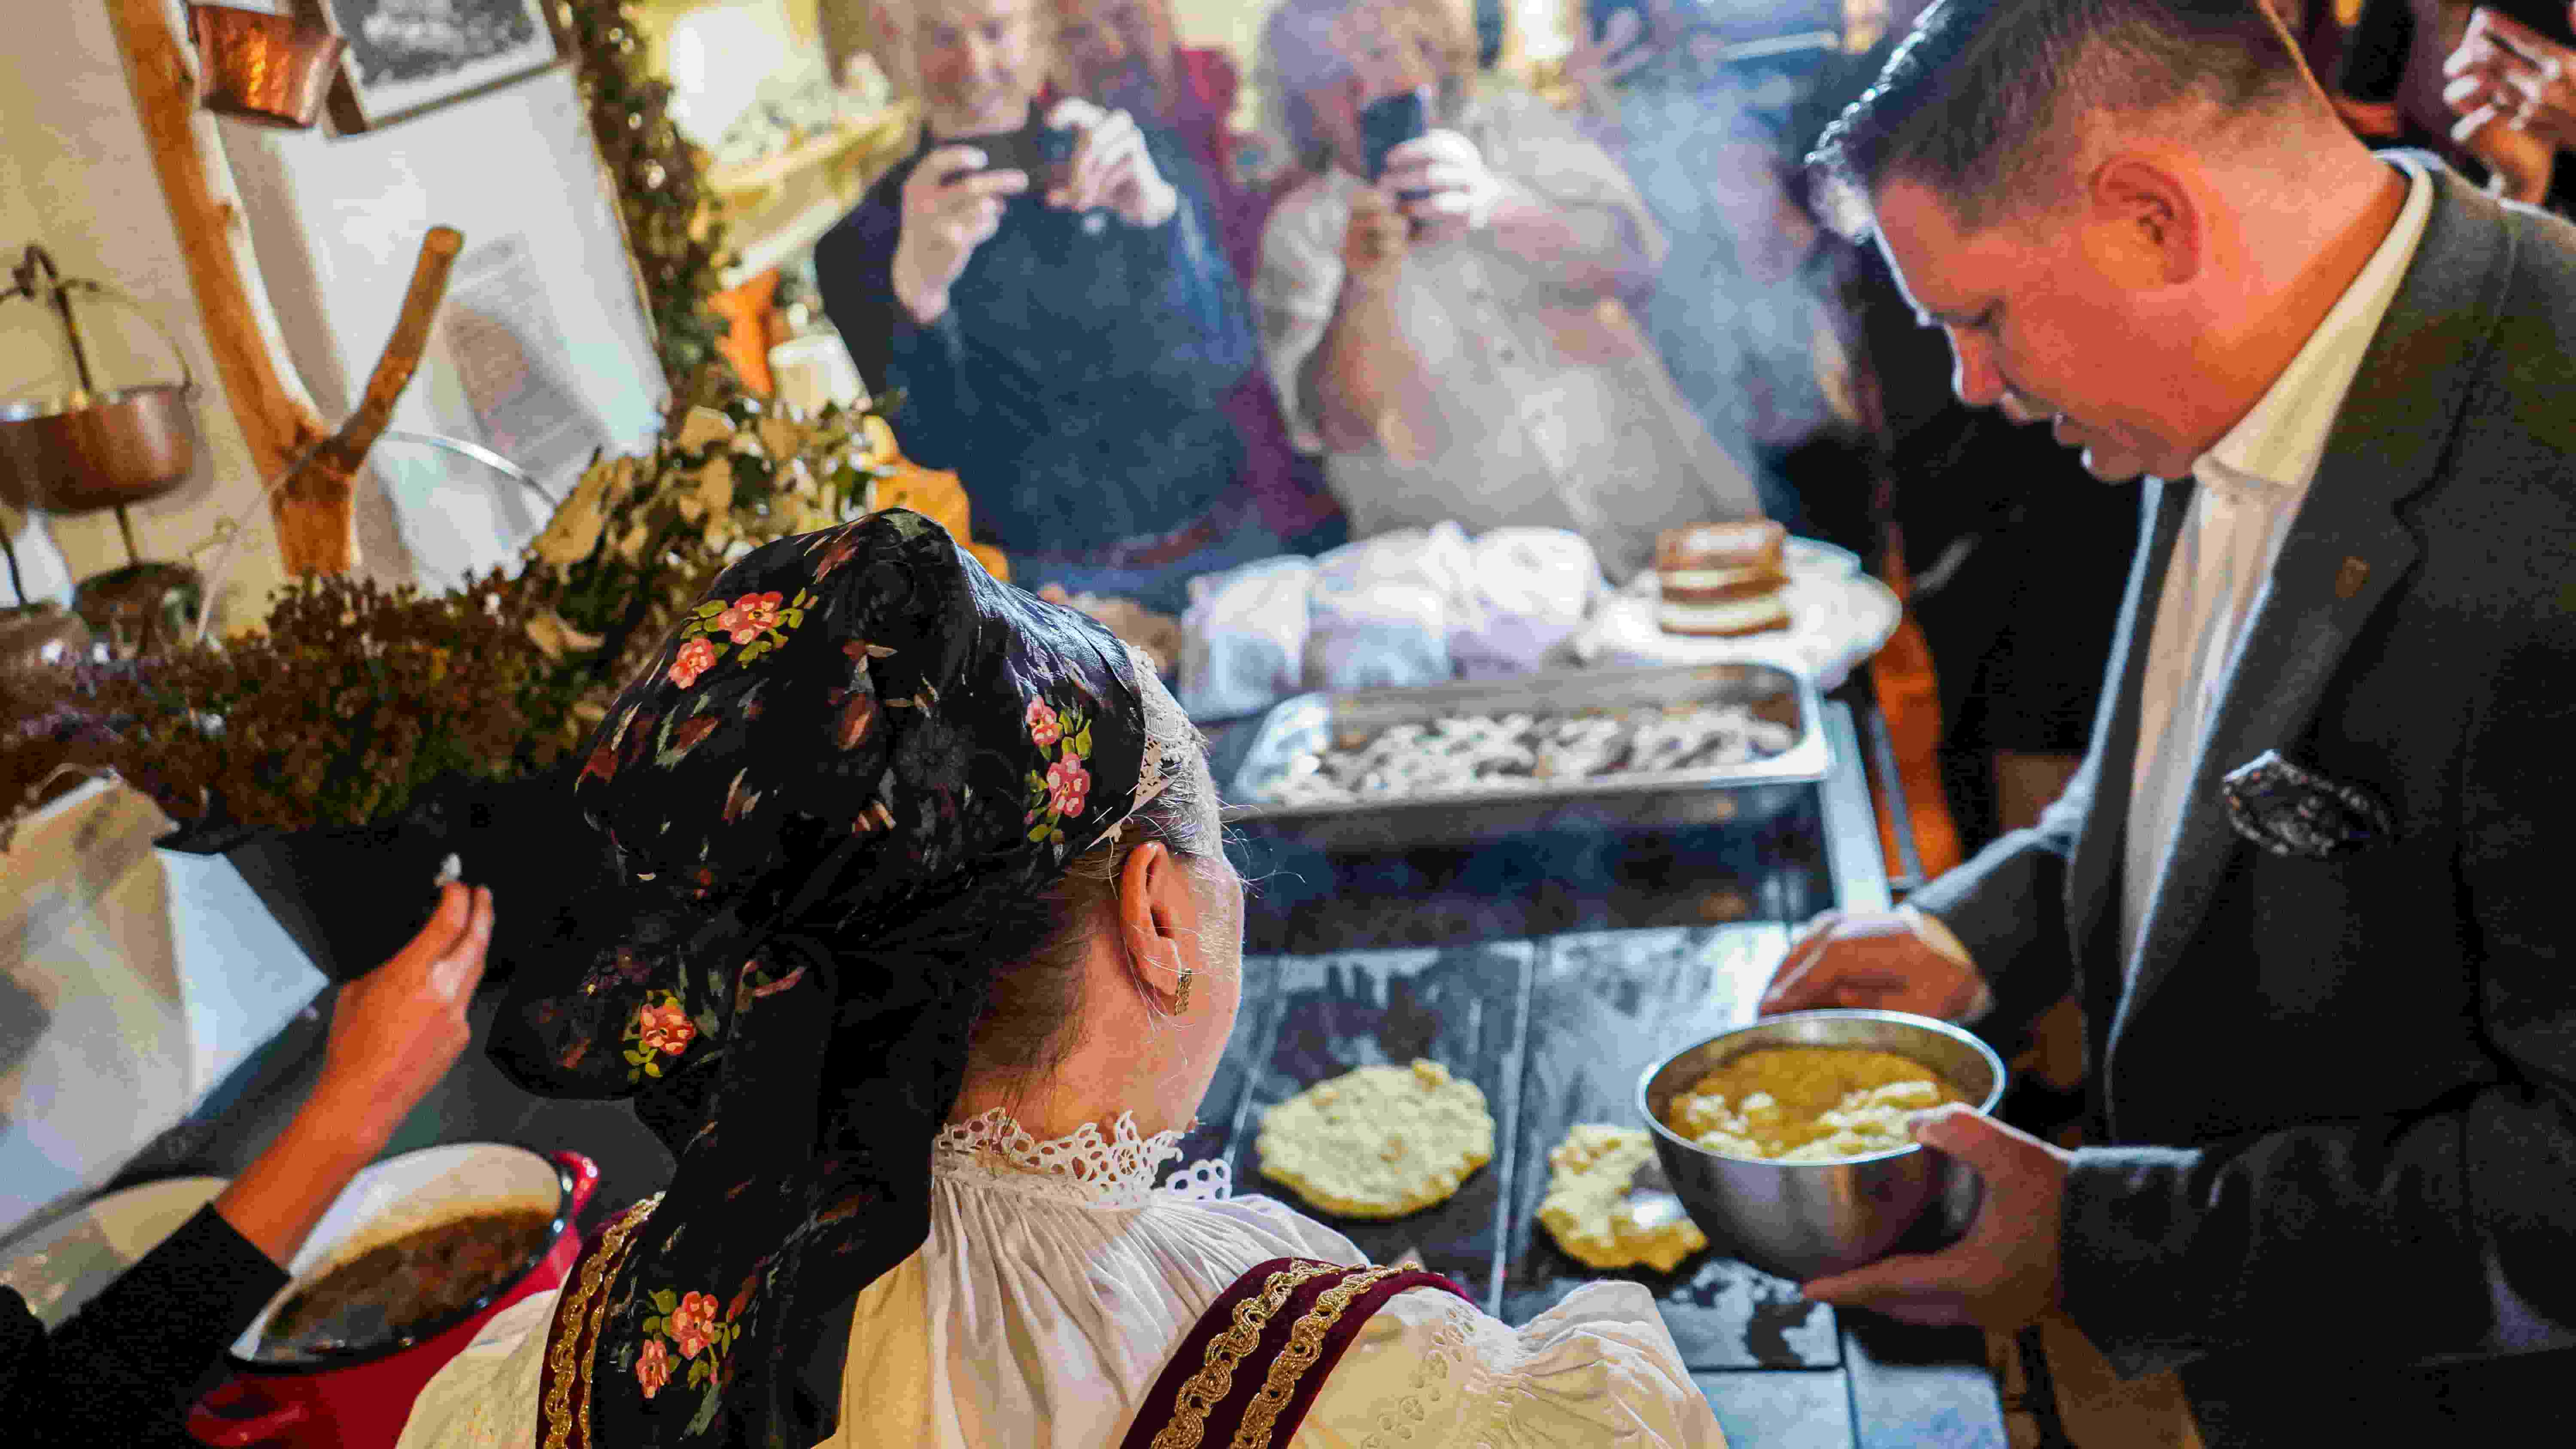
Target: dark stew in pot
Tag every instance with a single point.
(413, 1280)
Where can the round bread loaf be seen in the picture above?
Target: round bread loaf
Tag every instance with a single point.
(1378, 1142)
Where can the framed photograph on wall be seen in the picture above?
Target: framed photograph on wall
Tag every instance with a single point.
(410, 56)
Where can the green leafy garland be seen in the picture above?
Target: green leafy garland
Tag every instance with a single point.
(662, 196)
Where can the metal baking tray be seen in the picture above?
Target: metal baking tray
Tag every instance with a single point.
(1308, 723)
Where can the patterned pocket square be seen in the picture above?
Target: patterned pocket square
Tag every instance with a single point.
(2291, 811)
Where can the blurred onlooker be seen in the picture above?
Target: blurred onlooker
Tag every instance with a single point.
(1126, 54)
(1737, 310)
(2017, 556)
(2513, 86)
(1066, 354)
(1464, 352)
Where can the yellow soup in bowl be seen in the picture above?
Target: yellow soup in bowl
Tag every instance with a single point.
(1808, 1104)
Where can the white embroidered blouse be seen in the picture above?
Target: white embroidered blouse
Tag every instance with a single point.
(1057, 1279)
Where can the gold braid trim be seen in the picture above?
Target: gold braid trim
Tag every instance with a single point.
(577, 1318)
(1305, 1344)
(1208, 1386)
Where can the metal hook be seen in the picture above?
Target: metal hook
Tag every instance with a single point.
(24, 274)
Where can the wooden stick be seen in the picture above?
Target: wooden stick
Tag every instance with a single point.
(316, 535)
(330, 479)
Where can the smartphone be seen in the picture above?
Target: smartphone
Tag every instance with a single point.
(1043, 153)
(1389, 122)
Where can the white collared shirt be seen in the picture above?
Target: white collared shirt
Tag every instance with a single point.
(2251, 484)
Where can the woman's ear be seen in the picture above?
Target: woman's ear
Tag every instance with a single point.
(1158, 915)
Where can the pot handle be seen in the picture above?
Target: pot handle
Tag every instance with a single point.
(585, 1176)
(134, 304)
(225, 1431)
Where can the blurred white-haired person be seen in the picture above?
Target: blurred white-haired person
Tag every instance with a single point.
(1451, 333)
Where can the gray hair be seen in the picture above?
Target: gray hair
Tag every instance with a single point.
(1984, 99)
(1297, 56)
(1032, 1015)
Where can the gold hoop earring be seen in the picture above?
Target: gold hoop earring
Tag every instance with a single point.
(1181, 1000)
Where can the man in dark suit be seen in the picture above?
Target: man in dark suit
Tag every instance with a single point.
(2303, 885)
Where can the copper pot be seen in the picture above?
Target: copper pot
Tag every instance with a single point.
(142, 608)
(123, 446)
(34, 636)
(271, 70)
(99, 447)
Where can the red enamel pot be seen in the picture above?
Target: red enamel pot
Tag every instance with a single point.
(357, 1397)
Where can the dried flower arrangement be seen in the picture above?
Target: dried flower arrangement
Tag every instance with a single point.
(349, 699)
(352, 698)
(639, 539)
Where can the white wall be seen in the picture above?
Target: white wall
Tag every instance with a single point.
(76, 175)
(717, 56)
(339, 222)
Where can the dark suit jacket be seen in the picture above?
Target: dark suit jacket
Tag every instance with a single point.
(2340, 1095)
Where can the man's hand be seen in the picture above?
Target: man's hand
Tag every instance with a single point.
(1460, 193)
(2503, 71)
(2005, 1273)
(1110, 166)
(1871, 961)
(944, 221)
(1374, 243)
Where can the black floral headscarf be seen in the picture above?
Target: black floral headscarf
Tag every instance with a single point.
(859, 732)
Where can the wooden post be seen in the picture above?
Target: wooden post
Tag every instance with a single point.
(315, 527)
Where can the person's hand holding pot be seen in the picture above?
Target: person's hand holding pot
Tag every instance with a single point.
(1872, 961)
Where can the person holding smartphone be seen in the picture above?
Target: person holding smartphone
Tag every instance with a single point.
(1443, 306)
(1045, 287)
(1126, 54)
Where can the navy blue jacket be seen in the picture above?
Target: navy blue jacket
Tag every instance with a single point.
(1073, 384)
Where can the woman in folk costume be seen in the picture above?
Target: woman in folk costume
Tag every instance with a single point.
(934, 952)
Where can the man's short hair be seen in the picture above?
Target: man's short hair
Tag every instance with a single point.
(1986, 96)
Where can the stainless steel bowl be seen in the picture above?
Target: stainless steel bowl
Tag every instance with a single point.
(1803, 1220)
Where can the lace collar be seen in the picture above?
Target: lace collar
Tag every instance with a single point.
(1116, 1170)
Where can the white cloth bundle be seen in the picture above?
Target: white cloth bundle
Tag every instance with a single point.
(1531, 590)
(1383, 609)
(1244, 637)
